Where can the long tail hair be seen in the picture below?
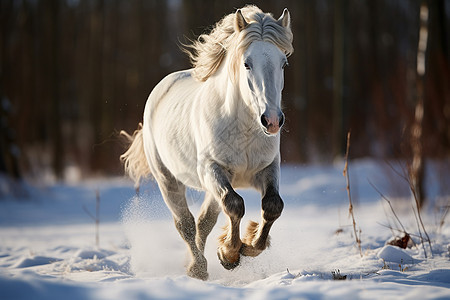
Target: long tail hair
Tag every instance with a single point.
(134, 160)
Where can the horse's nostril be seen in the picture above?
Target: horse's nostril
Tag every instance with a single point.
(281, 120)
(264, 121)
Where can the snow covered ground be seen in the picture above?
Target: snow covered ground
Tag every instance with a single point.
(47, 242)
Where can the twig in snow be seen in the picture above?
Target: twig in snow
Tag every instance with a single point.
(390, 205)
(415, 209)
(350, 208)
(96, 218)
(400, 230)
(420, 234)
(418, 216)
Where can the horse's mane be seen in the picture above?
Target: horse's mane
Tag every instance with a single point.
(209, 50)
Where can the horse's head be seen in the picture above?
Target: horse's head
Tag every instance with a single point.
(261, 73)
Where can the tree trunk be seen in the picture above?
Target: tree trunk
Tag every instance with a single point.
(339, 77)
(417, 167)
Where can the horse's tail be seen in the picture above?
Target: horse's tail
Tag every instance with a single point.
(134, 160)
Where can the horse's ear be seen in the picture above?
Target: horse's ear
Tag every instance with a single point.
(239, 21)
(285, 19)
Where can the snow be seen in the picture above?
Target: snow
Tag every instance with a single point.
(395, 254)
(48, 251)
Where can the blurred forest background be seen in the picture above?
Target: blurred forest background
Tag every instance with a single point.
(74, 73)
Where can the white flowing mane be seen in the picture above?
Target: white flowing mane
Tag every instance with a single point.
(208, 52)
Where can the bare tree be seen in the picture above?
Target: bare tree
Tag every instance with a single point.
(417, 169)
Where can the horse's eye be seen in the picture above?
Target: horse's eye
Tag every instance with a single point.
(246, 65)
(285, 64)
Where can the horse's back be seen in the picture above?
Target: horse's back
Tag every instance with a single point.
(166, 131)
(167, 86)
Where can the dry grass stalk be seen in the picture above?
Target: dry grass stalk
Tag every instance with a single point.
(96, 218)
(350, 208)
(390, 205)
(416, 208)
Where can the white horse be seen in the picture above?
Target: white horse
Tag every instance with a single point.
(215, 128)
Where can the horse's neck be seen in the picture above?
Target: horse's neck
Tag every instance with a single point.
(230, 97)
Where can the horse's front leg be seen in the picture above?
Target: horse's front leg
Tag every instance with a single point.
(217, 181)
(257, 236)
(230, 241)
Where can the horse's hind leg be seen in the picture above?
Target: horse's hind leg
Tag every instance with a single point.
(173, 193)
(207, 219)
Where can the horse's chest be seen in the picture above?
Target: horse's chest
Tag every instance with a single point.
(246, 152)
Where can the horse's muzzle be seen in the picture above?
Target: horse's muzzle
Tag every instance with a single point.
(272, 122)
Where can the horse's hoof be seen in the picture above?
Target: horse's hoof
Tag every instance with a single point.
(198, 268)
(226, 264)
(229, 266)
(202, 275)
